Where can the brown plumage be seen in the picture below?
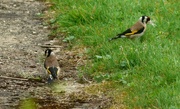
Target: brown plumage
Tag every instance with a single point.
(51, 65)
(51, 61)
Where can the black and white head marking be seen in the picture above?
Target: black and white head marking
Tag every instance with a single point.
(145, 19)
(48, 52)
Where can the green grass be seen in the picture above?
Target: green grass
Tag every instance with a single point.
(149, 68)
(28, 104)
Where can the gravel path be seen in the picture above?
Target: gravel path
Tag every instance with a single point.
(21, 31)
(20, 56)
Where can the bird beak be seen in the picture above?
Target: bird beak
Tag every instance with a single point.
(152, 23)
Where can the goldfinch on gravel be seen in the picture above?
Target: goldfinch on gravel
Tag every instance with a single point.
(51, 65)
(137, 30)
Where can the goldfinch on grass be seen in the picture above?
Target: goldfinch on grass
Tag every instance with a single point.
(51, 65)
(137, 30)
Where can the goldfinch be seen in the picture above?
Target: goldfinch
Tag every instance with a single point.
(137, 30)
(51, 65)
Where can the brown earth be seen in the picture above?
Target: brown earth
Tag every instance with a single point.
(21, 62)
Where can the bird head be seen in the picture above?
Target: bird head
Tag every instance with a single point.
(146, 19)
(48, 52)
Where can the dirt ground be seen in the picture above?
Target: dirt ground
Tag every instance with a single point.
(22, 35)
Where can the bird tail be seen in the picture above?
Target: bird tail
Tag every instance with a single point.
(116, 37)
(53, 71)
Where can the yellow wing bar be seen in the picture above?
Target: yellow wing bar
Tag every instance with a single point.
(48, 70)
(132, 33)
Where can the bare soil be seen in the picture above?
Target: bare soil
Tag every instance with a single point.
(22, 33)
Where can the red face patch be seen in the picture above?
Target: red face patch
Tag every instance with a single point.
(148, 19)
